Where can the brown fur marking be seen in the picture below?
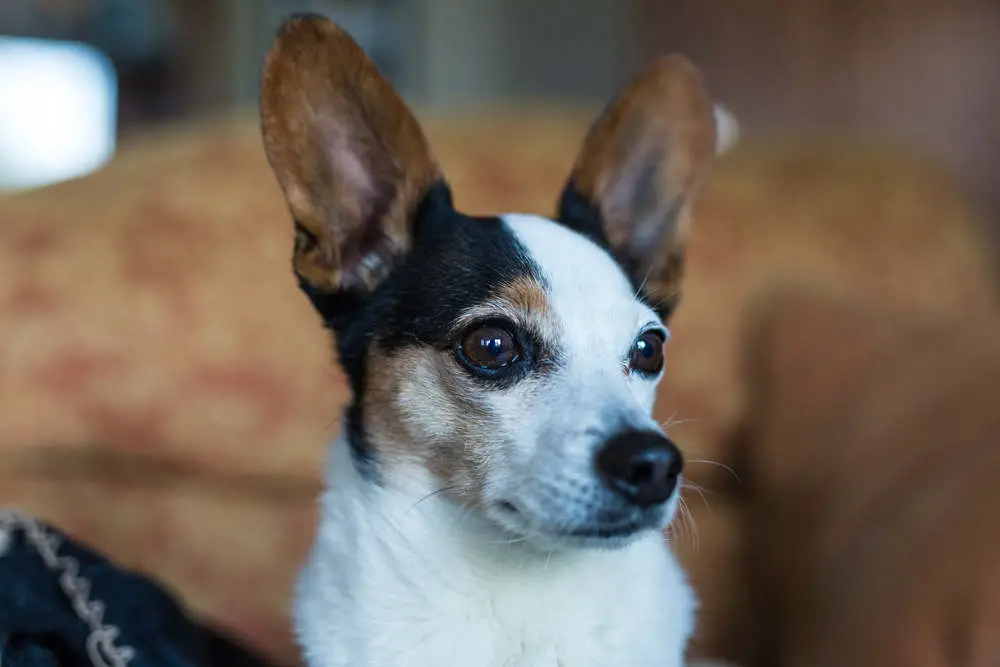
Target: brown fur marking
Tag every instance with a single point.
(523, 301)
(421, 405)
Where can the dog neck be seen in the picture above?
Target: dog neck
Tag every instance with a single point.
(401, 576)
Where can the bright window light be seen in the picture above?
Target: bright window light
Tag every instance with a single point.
(58, 108)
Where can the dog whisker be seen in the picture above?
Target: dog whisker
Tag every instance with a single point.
(645, 280)
(720, 465)
(694, 526)
(686, 525)
(676, 422)
(443, 489)
(516, 539)
(699, 490)
(672, 420)
(425, 566)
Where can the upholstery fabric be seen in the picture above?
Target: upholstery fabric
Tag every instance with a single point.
(167, 394)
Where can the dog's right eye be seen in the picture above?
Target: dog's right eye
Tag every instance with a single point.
(489, 348)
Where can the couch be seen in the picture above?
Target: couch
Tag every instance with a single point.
(869, 463)
(166, 393)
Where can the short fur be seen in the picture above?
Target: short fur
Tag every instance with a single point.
(466, 522)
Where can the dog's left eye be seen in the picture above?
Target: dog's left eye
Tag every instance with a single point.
(647, 353)
(489, 348)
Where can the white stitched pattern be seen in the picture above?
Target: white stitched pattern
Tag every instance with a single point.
(101, 642)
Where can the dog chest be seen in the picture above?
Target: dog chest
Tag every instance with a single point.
(631, 608)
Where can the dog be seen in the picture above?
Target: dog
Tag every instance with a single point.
(499, 494)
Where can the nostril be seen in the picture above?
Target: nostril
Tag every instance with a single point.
(649, 467)
(643, 472)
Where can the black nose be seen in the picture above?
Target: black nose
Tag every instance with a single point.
(641, 466)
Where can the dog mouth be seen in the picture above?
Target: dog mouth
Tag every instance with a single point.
(607, 533)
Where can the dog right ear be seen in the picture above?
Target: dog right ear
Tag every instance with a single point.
(349, 155)
(641, 165)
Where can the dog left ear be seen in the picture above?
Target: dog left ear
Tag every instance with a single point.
(641, 165)
(348, 154)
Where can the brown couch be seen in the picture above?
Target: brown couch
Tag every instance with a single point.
(166, 393)
(869, 466)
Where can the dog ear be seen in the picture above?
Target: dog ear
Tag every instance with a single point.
(640, 167)
(349, 155)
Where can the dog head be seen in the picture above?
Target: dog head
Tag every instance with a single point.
(507, 362)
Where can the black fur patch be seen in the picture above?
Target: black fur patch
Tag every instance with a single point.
(455, 262)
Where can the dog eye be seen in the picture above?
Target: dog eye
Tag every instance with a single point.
(489, 348)
(647, 353)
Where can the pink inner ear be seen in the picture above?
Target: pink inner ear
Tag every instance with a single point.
(353, 177)
(635, 199)
(357, 190)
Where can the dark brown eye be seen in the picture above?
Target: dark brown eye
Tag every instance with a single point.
(647, 353)
(489, 348)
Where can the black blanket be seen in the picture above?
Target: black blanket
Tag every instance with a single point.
(63, 605)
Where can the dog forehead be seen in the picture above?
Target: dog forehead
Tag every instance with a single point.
(582, 279)
(568, 259)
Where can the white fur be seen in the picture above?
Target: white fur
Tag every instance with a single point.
(400, 576)
(393, 581)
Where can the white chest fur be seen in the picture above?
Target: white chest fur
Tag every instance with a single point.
(396, 581)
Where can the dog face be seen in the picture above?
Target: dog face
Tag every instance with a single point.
(508, 363)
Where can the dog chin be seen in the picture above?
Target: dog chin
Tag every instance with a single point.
(548, 535)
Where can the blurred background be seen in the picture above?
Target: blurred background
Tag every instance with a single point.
(922, 72)
(164, 385)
